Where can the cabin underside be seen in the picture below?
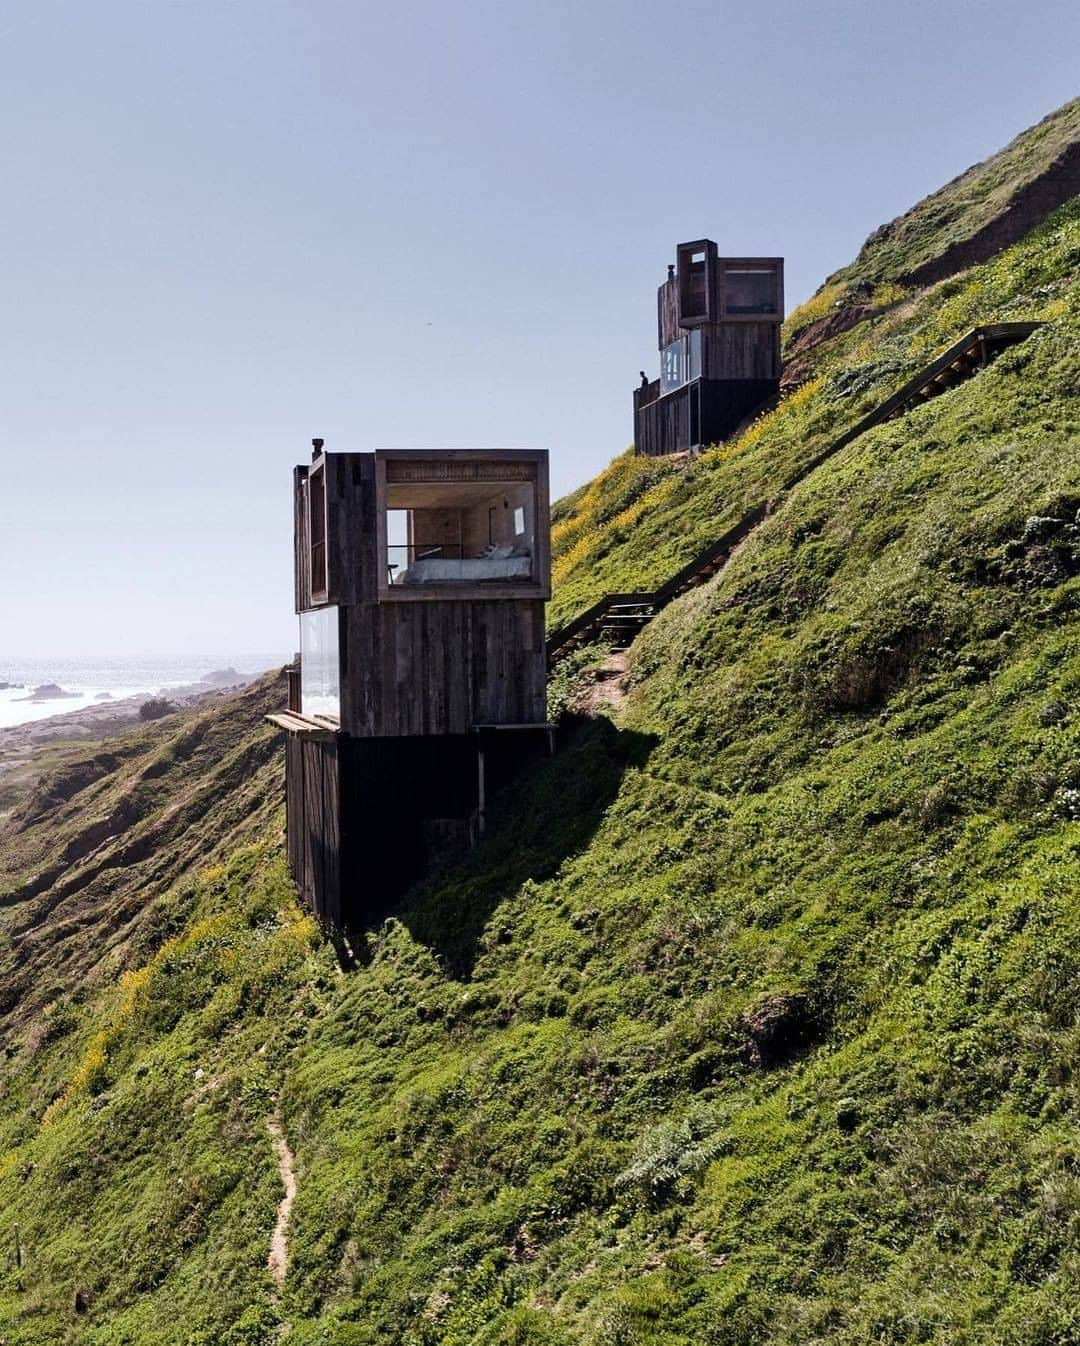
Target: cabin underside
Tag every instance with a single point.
(367, 817)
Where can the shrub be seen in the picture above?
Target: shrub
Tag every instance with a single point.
(672, 1152)
(156, 709)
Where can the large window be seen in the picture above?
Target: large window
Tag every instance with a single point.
(317, 530)
(693, 357)
(750, 290)
(320, 663)
(673, 366)
(460, 522)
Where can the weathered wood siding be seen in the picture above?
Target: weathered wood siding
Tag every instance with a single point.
(352, 532)
(703, 412)
(664, 426)
(741, 350)
(441, 667)
(313, 812)
(351, 555)
(667, 314)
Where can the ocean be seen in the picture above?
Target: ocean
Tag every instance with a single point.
(91, 679)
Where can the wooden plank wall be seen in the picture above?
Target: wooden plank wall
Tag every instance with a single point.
(741, 350)
(441, 667)
(312, 810)
(350, 494)
(667, 314)
(350, 536)
(668, 425)
(663, 426)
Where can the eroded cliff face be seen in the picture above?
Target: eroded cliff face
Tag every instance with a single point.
(751, 1020)
(972, 219)
(985, 209)
(113, 826)
(1026, 208)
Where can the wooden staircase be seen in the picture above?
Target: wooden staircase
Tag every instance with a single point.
(616, 619)
(622, 621)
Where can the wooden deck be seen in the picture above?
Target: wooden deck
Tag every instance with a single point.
(307, 726)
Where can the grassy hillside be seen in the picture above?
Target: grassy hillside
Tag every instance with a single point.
(641, 519)
(908, 248)
(968, 221)
(753, 1020)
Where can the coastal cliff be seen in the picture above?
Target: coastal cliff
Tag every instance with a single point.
(753, 1017)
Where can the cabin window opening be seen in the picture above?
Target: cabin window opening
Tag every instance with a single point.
(750, 290)
(673, 366)
(469, 531)
(693, 355)
(693, 285)
(317, 531)
(320, 665)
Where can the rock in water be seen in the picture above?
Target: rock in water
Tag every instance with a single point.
(49, 691)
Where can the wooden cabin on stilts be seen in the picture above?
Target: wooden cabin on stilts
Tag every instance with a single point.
(420, 584)
(718, 321)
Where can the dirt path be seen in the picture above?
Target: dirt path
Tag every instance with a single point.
(608, 689)
(278, 1260)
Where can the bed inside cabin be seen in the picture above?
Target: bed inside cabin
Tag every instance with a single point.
(460, 532)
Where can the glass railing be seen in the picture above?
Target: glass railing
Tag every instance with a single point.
(320, 663)
(680, 363)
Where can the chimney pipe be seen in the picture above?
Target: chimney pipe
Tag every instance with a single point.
(316, 448)
(671, 271)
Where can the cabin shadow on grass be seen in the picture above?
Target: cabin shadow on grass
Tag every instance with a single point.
(548, 814)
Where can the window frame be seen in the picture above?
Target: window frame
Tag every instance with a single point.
(538, 587)
(318, 470)
(774, 265)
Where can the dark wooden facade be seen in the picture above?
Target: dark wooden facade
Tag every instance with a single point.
(433, 667)
(313, 817)
(674, 423)
(366, 817)
(718, 331)
(442, 667)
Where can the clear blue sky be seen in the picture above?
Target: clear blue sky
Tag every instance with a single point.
(230, 226)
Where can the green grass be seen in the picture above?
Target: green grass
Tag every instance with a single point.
(641, 520)
(947, 218)
(962, 207)
(754, 1018)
